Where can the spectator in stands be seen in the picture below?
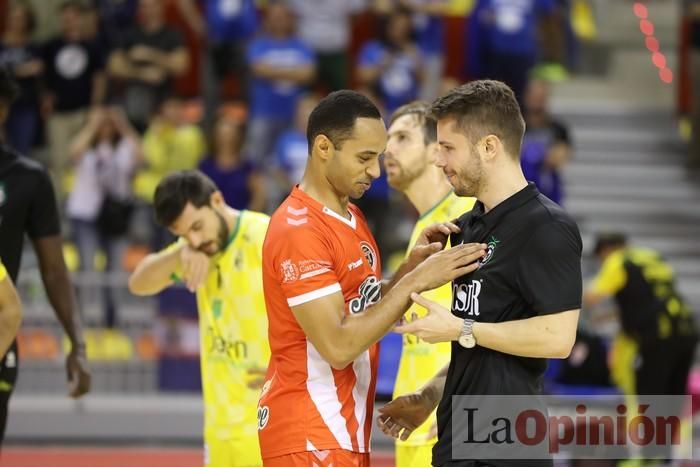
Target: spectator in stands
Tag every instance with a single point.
(225, 30)
(23, 60)
(239, 181)
(503, 40)
(292, 150)
(148, 60)
(391, 68)
(106, 153)
(75, 81)
(693, 12)
(282, 65)
(326, 27)
(547, 145)
(656, 322)
(429, 31)
(169, 144)
(112, 20)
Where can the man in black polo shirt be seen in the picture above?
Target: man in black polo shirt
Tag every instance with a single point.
(28, 205)
(522, 305)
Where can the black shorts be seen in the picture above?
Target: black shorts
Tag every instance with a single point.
(8, 377)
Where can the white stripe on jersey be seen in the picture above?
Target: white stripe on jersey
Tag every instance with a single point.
(363, 374)
(323, 393)
(313, 295)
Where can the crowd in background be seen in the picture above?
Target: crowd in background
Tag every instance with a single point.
(116, 94)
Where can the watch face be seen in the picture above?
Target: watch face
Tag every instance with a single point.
(467, 341)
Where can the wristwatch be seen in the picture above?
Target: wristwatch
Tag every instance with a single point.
(466, 338)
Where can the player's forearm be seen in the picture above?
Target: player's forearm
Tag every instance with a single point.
(60, 293)
(359, 331)
(433, 389)
(548, 336)
(155, 272)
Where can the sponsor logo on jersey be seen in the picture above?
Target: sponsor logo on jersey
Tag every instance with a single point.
(370, 255)
(370, 292)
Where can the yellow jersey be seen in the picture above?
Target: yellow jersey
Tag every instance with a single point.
(420, 360)
(3, 272)
(233, 331)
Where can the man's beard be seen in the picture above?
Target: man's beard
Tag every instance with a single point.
(222, 236)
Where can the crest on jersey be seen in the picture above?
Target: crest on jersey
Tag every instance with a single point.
(370, 255)
(490, 249)
(290, 271)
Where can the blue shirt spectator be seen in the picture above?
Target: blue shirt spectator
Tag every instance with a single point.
(230, 20)
(277, 98)
(292, 153)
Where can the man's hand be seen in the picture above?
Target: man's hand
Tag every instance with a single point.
(195, 267)
(77, 372)
(404, 414)
(257, 376)
(447, 265)
(437, 233)
(439, 325)
(152, 74)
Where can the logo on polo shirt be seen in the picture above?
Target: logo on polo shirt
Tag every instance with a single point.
(490, 249)
(466, 297)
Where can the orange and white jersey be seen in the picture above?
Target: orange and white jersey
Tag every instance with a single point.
(306, 405)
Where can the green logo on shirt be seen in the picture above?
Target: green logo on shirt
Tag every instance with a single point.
(216, 308)
(490, 249)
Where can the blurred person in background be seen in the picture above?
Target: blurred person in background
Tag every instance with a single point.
(391, 69)
(693, 12)
(239, 180)
(652, 314)
(218, 256)
(503, 40)
(547, 145)
(225, 29)
(170, 143)
(292, 149)
(75, 81)
(326, 26)
(429, 33)
(23, 60)
(106, 153)
(10, 311)
(112, 20)
(28, 207)
(148, 60)
(282, 66)
(409, 158)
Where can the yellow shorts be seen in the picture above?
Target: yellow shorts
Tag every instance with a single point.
(414, 456)
(238, 452)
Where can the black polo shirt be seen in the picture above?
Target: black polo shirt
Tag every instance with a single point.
(532, 267)
(27, 206)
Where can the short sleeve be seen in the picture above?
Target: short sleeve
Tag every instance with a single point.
(549, 269)
(304, 266)
(612, 276)
(43, 219)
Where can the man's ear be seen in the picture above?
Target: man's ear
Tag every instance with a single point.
(216, 199)
(490, 147)
(323, 147)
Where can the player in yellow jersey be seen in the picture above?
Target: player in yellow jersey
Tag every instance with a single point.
(10, 311)
(219, 256)
(409, 159)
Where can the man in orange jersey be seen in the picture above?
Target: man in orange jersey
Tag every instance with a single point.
(327, 305)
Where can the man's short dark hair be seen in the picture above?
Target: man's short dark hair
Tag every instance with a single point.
(176, 190)
(482, 108)
(335, 116)
(9, 89)
(609, 240)
(421, 110)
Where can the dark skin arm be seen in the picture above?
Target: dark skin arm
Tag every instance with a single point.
(59, 290)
